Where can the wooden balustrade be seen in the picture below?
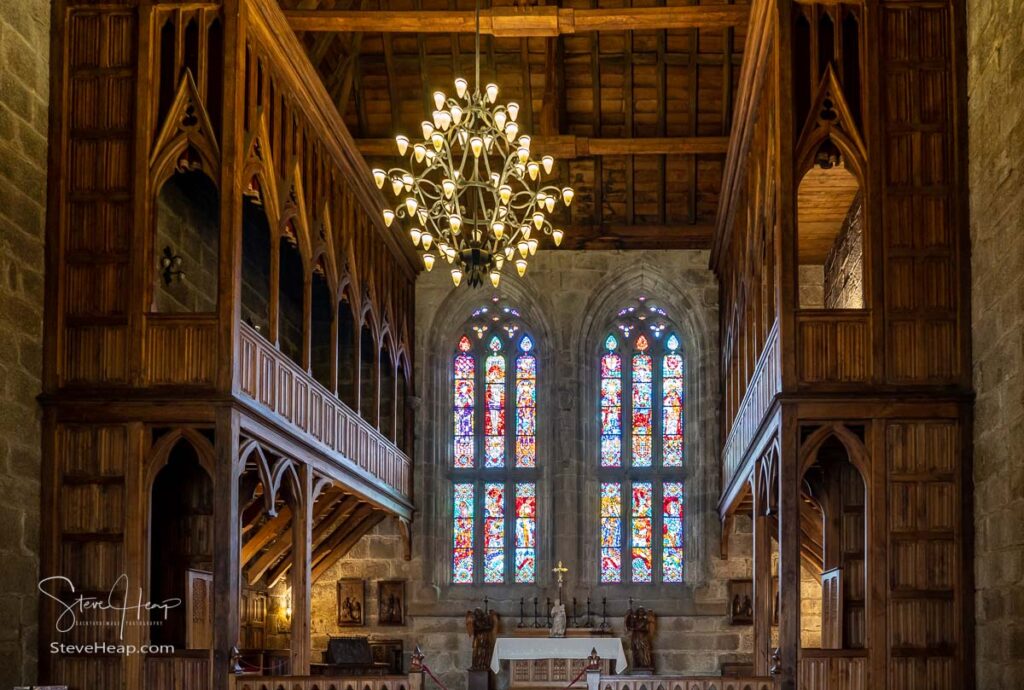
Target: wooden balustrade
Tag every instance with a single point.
(276, 383)
(764, 385)
(651, 682)
(827, 669)
(414, 681)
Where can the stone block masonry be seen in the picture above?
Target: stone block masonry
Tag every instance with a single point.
(996, 140)
(24, 83)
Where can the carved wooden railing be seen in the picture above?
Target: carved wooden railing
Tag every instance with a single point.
(765, 383)
(180, 349)
(276, 383)
(833, 347)
(413, 681)
(185, 670)
(645, 682)
(833, 669)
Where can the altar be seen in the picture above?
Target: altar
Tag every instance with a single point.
(542, 661)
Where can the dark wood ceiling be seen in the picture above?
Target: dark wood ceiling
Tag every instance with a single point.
(638, 119)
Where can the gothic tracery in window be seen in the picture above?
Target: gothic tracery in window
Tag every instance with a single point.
(494, 458)
(641, 489)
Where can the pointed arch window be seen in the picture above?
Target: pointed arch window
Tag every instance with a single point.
(641, 503)
(494, 460)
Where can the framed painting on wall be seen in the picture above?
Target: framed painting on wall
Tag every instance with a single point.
(351, 602)
(391, 602)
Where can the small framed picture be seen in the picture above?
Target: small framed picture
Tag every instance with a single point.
(351, 602)
(741, 602)
(391, 602)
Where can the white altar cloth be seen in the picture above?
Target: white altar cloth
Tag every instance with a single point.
(507, 648)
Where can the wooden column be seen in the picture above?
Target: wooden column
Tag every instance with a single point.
(764, 597)
(789, 552)
(302, 548)
(226, 548)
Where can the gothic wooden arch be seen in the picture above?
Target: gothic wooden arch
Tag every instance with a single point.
(840, 128)
(186, 127)
(252, 451)
(295, 215)
(259, 165)
(856, 453)
(160, 453)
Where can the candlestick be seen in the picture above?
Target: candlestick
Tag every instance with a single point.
(522, 604)
(536, 620)
(549, 612)
(574, 612)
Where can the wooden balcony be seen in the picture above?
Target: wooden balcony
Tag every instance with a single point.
(290, 396)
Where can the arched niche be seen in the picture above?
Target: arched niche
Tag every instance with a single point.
(290, 291)
(830, 234)
(181, 546)
(322, 313)
(388, 393)
(187, 244)
(256, 257)
(368, 374)
(348, 367)
(833, 547)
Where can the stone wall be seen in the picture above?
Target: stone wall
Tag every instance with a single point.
(844, 265)
(567, 298)
(24, 88)
(996, 79)
(187, 226)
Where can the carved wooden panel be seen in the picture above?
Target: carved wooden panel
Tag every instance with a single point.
(925, 560)
(180, 350)
(833, 348)
(177, 673)
(326, 683)
(922, 260)
(833, 671)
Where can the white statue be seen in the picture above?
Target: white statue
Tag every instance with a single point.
(558, 620)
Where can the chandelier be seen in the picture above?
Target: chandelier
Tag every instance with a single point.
(474, 192)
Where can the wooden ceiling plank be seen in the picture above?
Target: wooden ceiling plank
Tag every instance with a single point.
(281, 546)
(342, 549)
(524, 51)
(694, 113)
(282, 568)
(595, 78)
(268, 532)
(662, 90)
(521, 22)
(629, 107)
(389, 67)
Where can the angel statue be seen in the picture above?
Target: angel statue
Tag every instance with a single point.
(482, 626)
(640, 624)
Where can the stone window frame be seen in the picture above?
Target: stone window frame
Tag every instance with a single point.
(509, 475)
(696, 327)
(436, 451)
(626, 475)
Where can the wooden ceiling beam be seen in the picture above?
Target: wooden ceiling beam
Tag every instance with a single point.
(610, 236)
(568, 146)
(521, 22)
(341, 549)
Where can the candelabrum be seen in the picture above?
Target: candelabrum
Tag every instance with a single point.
(473, 194)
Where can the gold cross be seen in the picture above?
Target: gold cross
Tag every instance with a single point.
(560, 569)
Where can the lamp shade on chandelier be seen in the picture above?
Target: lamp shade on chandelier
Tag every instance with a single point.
(474, 194)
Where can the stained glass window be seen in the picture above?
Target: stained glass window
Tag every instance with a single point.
(462, 543)
(611, 532)
(526, 405)
(494, 458)
(611, 405)
(494, 533)
(494, 406)
(643, 391)
(642, 468)
(526, 532)
(672, 404)
(672, 532)
(465, 395)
